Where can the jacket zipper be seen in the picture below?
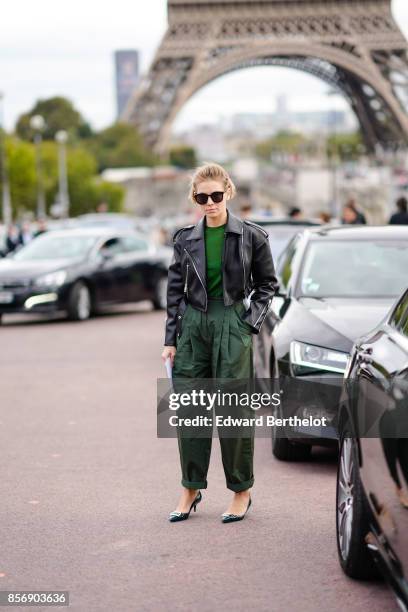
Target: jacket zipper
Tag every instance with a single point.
(222, 263)
(263, 309)
(243, 259)
(186, 283)
(194, 266)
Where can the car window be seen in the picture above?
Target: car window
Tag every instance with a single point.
(114, 245)
(134, 243)
(359, 268)
(51, 246)
(284, 267)
(279, 238)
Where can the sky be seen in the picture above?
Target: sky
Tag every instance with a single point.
(50, 47)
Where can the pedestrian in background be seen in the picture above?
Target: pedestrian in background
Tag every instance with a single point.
(209, 324)
(295, 213)
(324, 217)
(360, 217)
(400, 217)
(12, 238)
(245, 212)
(102, 207)
(350, 216)
(41, 227)
(26, 235)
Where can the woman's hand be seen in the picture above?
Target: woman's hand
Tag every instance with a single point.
(169, 351)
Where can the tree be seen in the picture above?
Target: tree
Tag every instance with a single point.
(86, 190)
(284, 141)
(112, 194)
(59, 114)
(345, 146)
(120, 146)
(21, 173)
(183, 156)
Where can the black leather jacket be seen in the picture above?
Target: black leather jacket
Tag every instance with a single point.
(247, 266)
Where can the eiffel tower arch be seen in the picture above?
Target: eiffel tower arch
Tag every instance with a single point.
(354, 45)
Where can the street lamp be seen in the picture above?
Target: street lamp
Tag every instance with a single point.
(63, 194)
(37, 124)
(6, 199)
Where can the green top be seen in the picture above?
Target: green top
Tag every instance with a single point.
(214, 242)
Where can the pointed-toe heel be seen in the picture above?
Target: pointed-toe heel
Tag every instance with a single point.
(175, 516)
(231, 518)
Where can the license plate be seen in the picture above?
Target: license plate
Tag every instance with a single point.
(6, 297)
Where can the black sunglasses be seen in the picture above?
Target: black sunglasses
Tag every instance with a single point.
(202, 198)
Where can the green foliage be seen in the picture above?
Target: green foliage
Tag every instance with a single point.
(342, 146)
(22, 178)
(81, 168)
(112, 194)
(120, 146)
(86, 191)
(284, 141)
(345, 146)
(183, 156)
(59, 114)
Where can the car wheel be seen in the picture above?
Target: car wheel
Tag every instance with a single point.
(286, 450)
(160, 294)
(79, 303)
(283, 448)
(352, 518)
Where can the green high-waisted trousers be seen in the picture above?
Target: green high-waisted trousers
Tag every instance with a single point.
(215, 344)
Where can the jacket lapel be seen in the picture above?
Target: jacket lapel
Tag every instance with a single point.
(196, 247)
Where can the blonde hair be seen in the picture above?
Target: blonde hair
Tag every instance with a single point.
(208, 171)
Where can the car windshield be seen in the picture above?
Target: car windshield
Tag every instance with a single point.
(279, 236)
(56, 247)
(354, 269)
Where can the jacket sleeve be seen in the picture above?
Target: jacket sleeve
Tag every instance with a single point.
(265, 283)
(174, 294)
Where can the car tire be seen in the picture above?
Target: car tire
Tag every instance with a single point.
(160, 294)
(352, 514)
(79, 302)
(283, 448)
(286, 450)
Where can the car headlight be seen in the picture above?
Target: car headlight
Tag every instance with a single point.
(53, 279)
(306, 357)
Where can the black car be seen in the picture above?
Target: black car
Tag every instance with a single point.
(372, 478)
(79, 270)
(336, 283)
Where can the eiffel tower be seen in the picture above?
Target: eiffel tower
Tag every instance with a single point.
(354, 45)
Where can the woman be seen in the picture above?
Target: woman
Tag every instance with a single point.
(210, 322)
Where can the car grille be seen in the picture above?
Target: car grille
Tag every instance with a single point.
(14, 284)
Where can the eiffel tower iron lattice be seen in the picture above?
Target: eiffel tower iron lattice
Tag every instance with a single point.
(354, 45)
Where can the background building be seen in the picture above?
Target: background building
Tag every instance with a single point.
(126, 76)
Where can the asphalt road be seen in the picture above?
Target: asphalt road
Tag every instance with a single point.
(86, 488)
